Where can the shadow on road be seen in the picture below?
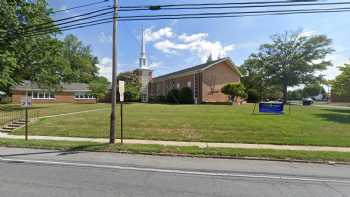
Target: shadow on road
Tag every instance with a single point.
(70, 151)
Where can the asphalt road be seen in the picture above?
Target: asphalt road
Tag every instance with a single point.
(36, 173)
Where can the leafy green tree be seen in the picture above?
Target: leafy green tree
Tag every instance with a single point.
(293, 58)
(313, 89)
(295, 94)
(99, 87)
(253, 96)
(23, 56)
(132, 92)
(234, 91)
(82, 64)
(341, 84)
(132, 85)
(186, 95)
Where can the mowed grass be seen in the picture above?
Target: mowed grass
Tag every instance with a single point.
(208, 123)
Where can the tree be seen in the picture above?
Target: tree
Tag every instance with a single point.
(99, 87)
(313, 89)
(253, 96)
(28, 57)
(234, 91)
(341, 84)
(132, 92)
(82, 64)
(293, 58)
(132, 85)
(186, 95)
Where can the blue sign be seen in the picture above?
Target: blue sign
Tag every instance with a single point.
(271, 107)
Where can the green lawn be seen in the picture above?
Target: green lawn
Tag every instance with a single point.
(209, 123)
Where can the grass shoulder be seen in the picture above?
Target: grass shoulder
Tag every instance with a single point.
(182, 151)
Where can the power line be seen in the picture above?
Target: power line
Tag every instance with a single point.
(178, 15)
(239, 6)
(104, 21)
(80, 6)
(230, 13)
(69, 18)
(214, 4)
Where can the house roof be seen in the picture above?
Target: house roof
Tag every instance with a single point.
(65, 87)
(197, 68)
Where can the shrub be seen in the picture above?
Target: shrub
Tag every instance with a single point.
(234, 90)
(186, 96)
(253, 96)
(132, 92)
(173, 96)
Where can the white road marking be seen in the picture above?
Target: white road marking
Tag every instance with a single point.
(285, 178)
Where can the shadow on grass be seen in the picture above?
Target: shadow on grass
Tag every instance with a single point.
(11, 108)
(347, 111)
(338, 118)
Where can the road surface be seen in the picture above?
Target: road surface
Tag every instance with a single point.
(36, 173)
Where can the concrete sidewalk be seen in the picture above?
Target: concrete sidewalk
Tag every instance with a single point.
(181, 143)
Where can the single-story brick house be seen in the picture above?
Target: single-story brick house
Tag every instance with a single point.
(65, 93)
(205, 80)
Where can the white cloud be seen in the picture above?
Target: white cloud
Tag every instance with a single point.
(151, 36)
(155, 64)
(337, 60)
(307, 33)
(169, 42)
(193, 37)
(104, 38)
(105, 68)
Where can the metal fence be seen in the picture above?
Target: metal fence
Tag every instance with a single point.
(17, 115)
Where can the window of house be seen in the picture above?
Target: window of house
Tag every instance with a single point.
(42, 95)
(189, 84)
(178, 85)
(83, 95)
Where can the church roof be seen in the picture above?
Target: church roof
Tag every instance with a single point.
(198, 68)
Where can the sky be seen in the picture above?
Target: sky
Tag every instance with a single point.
(172, 45)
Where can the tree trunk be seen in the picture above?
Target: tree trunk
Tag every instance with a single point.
(285, 94)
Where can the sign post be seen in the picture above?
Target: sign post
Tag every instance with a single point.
(121, 99)
(26, 102)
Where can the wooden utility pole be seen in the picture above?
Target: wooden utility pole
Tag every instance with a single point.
(114, 73)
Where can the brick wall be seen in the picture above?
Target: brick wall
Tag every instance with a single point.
(214, 79)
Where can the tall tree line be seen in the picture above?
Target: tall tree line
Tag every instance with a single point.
(42, 58)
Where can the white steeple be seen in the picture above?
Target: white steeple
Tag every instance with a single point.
(143, 57)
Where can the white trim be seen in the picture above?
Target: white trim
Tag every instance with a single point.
(84, 98)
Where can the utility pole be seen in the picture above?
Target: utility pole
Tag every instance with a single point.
(114, 71)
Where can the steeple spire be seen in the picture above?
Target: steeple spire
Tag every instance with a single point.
(143, 57)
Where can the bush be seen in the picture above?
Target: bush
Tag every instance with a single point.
(253, 96)
(234, 90)
(132, 92)
(173, 96)
(186, 96)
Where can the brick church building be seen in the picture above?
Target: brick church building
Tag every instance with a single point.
(205, 80)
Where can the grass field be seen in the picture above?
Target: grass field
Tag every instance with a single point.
(209, 123)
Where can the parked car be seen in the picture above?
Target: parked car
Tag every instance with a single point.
(308, 101)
